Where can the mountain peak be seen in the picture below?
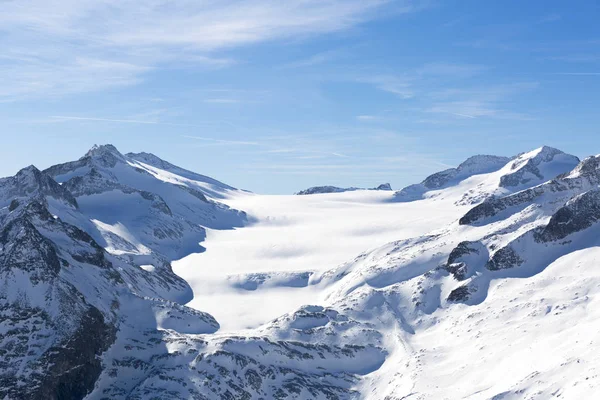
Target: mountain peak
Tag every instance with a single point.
(30, 170)
(536, 166)
(549, 149)
(102, 149)
(32, 183)
(106, 154)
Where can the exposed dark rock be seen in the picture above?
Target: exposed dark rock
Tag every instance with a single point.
(75, 363)
(30, 183)
(13, 205)
(578, 214)
(584, 177)
(459, 294)
(504, 258)
(465, 258)
(335, 189)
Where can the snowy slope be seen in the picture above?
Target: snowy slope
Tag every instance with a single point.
(139, 208)
(293, 239)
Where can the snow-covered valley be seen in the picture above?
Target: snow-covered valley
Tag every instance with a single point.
(125, 276)
(251, 275)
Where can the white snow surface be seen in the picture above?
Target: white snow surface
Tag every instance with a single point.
(296, 234)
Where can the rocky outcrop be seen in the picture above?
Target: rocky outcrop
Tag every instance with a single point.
(504, 258)
(335, 189)
(465, 259)
(578, 214)
(31, 183)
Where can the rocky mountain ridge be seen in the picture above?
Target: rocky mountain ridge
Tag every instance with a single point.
(335, 189)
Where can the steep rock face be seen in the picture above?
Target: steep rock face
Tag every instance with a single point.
(31, 183)
(51, 336)
(578, 214)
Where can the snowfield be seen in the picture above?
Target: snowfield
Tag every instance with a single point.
(296, 235)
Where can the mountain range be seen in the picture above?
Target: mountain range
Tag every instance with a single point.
(497, 301)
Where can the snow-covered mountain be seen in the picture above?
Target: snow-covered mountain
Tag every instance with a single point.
(481, 176)
(489, 290)
(141, 205)
(335, 189)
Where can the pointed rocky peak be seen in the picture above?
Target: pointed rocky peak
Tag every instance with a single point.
(102, 149)
(29, 174)
(106, 155)
(32, 183)
(384, 186)
(22, 247)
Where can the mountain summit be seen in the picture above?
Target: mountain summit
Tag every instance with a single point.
(483, 176)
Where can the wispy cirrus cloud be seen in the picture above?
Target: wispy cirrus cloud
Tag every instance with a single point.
(148, 118)
(223, 141)
(368, 118)
(401, 86)
(414, 82)
(479, 102)
(578, 73)
(316, 59)
(57, 47)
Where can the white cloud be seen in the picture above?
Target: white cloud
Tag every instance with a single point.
(368, 118)
(54, 47)
(479, 102)
(315, 59)
(451, 70)
(221, 101)
(400, 86)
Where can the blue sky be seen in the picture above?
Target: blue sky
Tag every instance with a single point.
(276, 96)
